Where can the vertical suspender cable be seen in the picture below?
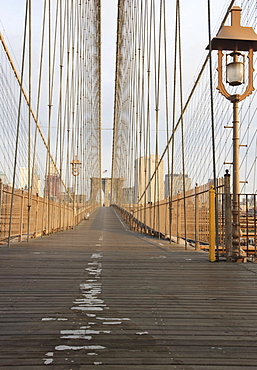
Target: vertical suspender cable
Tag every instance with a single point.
(182, 123)
(144, 33)
(60, 109)
(99, 126)
(154, 187)
(157, 103)
(173, 124)
(39, 90)
(148, 115)
(139, 99)
(18, 125)
(54, 174)
(136, 98)
(49, 116)
(30, 182)
(67, 98)
(167, 118)
(213, 132)
(115, 118)
(212, 120)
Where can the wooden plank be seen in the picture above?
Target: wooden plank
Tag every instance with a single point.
(103, 295)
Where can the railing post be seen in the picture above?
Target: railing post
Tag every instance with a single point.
(1, 195)
(43, 216)
(228, 221)
(178, 219)
(236, 185)
(197, 243)
(212, 224)
(21, 217)
(1, 203)
(36, 221)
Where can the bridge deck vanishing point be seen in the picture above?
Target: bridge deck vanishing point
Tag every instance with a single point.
(102, 295)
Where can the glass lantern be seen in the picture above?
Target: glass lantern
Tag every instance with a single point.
(235, 71)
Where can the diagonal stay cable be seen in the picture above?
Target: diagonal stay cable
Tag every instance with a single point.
(185, 106)
(19, 79)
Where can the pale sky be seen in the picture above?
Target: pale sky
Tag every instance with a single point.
(194, 40)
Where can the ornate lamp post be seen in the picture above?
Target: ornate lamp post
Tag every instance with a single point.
(75, 166)
(75, 170)
(235, 39)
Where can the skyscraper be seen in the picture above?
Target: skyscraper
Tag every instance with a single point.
(144, 171)
(177, 186)
(23, 180)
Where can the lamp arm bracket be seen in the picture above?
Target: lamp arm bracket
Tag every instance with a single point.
(221, 88)
(249, 89)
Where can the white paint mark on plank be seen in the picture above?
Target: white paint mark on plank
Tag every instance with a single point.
(76, 348)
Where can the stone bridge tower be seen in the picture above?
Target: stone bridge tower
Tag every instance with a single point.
(106, 184)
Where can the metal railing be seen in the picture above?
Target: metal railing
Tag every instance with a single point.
(185, 220)
(46, 216)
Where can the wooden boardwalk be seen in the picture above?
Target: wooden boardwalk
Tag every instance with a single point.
(101, 295)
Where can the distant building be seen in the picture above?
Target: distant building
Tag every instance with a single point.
(128, 195)
(52, 184)
(23, 180)
(4, 179)
(144, 170)
(67, 196)
(177, 185)
(52, 187)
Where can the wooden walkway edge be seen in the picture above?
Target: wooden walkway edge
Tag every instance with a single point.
(102, 295)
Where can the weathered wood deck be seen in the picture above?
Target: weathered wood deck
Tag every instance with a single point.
(101, 295)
